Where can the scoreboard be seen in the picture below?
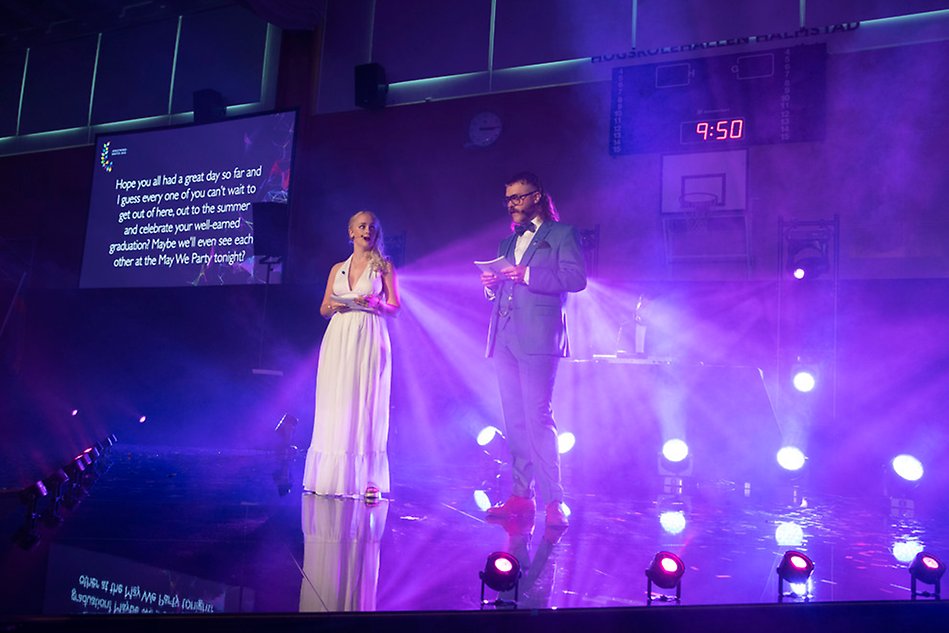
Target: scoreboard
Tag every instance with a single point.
(726, 101)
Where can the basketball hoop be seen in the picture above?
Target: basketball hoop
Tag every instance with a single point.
(696, 206)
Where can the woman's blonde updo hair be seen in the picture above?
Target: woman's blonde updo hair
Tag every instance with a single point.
(377, 256)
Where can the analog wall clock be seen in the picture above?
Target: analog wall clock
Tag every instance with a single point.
(484, 129)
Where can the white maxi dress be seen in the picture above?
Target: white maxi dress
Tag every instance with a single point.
(353, 379)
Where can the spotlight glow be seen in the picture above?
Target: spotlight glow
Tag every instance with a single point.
(565, 442)
(795, 568)
(799, 588)
(798, 273)
(487, 434)
(675, 450)
(669, 565)
(791, 458)
(672, 521)
(501, 571)
(908, 467)
(804, 381)
(142, 419)
(798, 562)
(503, 565)
(789, 534)
(906, 551)
(482, 500)
(666, 570)
(928, 569)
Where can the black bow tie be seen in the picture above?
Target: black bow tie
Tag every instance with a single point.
(520, 229)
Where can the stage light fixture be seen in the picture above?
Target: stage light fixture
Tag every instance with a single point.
(285, 452)
(665, 572)
(56, 484)
(929, 570)
(105, 455)
(808, 257)
(791, 458)
(90, 459)
(792, 461)
(804, 380)
(487, 435)
(76, 489)
(795, 569)
(901, 478)
(75, 470)
(674, 463)
(26, 536)
(31, 495)
(286, 427)
(565, 442)
(502, 572)
(675, 450)
(674, 458)
(907, 467)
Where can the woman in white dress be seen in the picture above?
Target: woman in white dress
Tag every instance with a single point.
(347, 455)
(342, 546)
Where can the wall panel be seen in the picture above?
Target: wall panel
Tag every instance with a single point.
(414, 39)
(674, 22)
(11, 80)
(539, 31)
(824, 12)
(58, 85)
(221, 50)
(133, 78)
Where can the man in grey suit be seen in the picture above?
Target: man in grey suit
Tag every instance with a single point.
(527, 336)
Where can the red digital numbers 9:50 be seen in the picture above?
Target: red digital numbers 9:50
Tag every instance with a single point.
(711, 130)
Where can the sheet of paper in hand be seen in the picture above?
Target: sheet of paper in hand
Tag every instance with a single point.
(493, 265)
(349, 302)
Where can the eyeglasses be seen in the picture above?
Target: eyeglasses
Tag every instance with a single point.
(518, 197)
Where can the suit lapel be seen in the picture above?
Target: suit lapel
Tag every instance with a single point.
(539, 236)
(507, 246)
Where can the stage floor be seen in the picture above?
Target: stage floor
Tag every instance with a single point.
(205, 531)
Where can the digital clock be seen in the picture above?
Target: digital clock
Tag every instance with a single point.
(747, 97)
(710, 130)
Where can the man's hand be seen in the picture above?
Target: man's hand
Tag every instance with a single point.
(514, 273)
(490, 280)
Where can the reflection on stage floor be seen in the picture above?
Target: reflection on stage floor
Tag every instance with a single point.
(204, 531)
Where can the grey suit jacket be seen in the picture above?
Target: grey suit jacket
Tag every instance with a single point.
(536, 311)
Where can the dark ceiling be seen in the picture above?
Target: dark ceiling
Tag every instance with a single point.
(26, 23)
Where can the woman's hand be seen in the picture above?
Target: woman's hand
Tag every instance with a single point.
(332, 307)
(372, 302)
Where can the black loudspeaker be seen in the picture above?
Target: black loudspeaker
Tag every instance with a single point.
(271, 226)
(209, 106)
(371, 86)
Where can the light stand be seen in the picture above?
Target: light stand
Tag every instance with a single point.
(26, 537)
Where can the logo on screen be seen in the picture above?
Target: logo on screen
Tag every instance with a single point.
(104, 159)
